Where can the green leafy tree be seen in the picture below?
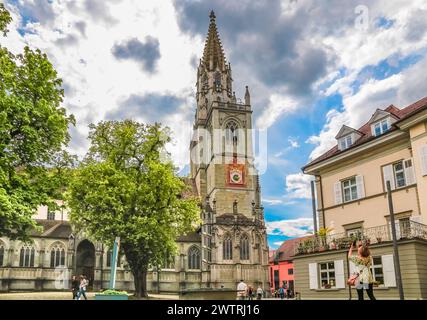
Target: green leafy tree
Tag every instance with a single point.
(125, 188)
(33, 131)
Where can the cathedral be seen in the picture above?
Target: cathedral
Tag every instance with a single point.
(231, 243)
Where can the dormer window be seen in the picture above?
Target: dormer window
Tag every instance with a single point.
(381, 127)
(346, 142)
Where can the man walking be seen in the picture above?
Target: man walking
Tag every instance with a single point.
(259, 293)
(75, 287)
(242, 289)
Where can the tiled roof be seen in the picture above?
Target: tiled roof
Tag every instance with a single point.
(286, 250)
(366, 129)
(53, 229)
(190, 237)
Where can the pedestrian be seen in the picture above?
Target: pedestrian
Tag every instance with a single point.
(75, 286)
(82, 287)
(288, 293)
(259, 293)
(242, 290)
(282, 293)
(250, 292)
(363, 274)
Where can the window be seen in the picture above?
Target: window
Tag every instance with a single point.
(327, 274)
(26, 257)
(227, 249)
(194, 258)
(231, 132)
(244, 248)
(1, 255)
(57, 257)
(50, 215)
(381, 127)
(399, 174)
(109, 257)
(218, 81)
(349, 188)
(377, 270)
(290, 271)
(346, 142)
(276, 279)
(356, 232)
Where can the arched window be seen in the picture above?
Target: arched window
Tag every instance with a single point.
(227, 248)
(26, 257)
(244, 248)
(231, 132)
(57, 256)
(1, 254)
(218, 81)
(109, 257)
(194, 258)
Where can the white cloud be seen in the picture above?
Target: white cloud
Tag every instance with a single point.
(298, 186)
(290, 228)
(278, 105)
(293, 142)
(277, 243)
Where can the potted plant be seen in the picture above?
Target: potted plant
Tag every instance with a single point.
(112, 294)
(327, 286)
(322, 233)
(333, 244)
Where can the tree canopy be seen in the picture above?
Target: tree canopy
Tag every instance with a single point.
(124, 189)
(33, 132)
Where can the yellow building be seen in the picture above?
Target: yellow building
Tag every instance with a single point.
(351, 191)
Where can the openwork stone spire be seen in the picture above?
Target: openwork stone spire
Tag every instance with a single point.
(213, 54)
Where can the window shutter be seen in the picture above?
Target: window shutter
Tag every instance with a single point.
(409, 171)
(360, 187)
(339, 274)
(423, 158)
(388, 176)
(338, 192)
(312, 270)
(388, 270)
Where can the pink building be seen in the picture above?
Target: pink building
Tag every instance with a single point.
(281, 270)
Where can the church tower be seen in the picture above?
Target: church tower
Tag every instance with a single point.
(234, 242)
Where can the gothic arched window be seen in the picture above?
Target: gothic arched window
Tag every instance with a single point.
(227, 248)
(26, 257)
(218, 81)
(57, 256)
(231, 131)
(244, 248)
(1, 254)
(193, 258)
(109, 257)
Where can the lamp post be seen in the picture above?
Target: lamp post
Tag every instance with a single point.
(395, 249)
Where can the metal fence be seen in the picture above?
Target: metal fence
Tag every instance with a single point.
(405, 229)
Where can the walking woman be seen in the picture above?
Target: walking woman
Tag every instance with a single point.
(362, 264)
(75, 287)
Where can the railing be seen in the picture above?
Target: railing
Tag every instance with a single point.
(374, 235)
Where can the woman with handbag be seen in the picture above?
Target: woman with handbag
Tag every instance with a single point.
(362, 279)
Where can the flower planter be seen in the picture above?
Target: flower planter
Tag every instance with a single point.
(99, 296)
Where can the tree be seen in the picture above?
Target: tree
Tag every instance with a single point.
(123, 188)
(33, 131)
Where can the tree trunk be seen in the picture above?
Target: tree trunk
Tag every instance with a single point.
(140, 281)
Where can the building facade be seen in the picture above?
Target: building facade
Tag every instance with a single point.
(351, 188)
(282, 267)
(230, 245)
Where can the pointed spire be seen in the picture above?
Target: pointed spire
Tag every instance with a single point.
(247, 96)
(213, 54)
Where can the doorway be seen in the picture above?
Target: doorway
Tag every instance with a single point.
(85, 261)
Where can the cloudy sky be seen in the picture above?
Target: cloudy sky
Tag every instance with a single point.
(311, 67)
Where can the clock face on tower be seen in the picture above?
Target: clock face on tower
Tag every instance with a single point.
(235, 174)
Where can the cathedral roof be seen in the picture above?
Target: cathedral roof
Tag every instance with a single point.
(213, 48)
(53, 229)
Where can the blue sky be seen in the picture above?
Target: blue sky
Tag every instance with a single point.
(311, 67)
